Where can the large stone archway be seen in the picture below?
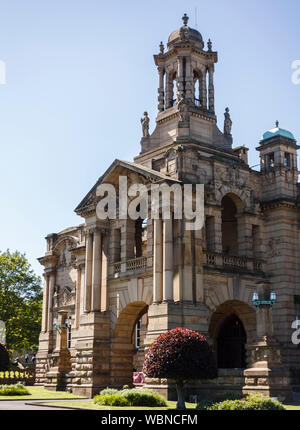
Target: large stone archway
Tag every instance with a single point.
(239, 312)
(122, 343)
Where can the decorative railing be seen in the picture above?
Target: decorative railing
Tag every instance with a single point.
(116, 268)
(25, 376)
(233, 262)
(136, 264)
(140, 263)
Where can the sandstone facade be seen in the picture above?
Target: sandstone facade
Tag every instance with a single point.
(103, 277)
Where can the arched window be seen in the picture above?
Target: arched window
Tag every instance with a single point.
(229, 227)
(197, 88)
(174, 88)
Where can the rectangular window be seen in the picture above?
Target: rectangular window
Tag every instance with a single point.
(271, 160)
(138, 334)
(287, 159)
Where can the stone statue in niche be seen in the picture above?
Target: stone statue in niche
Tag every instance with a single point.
(227, 123)
(145, 124)
(183, 109)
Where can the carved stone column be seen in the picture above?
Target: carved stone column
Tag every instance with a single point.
(189, 84)
(157, 262)
(203, 89)
(168, 91)
(79, 295)
(180, 78)
(211, 91)
(52, 276)
(245, 244)
(161, 95)
(96, 271)
(45, 303)
(88, 271)
(167, 260)
(104, 273)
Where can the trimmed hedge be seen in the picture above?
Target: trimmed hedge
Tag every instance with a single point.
(143, 397)
(111, 400)
(108, 391)
(250, 402)
(13, 390)
(130, 397)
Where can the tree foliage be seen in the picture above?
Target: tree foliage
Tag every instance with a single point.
(180, 354)
(20, 301)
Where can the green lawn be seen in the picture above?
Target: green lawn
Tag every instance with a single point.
(91, 405)
(171, 405)
(37, 393)
(292, 407)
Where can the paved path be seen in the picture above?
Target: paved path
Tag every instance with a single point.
(10, 405)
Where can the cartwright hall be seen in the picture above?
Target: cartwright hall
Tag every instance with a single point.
(112, 286)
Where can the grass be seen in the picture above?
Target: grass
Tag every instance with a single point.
(91, 405)
(39, 393)
(171, 405)
(292, 407)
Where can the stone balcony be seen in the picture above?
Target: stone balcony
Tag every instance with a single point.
(130, 267)
(233, 263)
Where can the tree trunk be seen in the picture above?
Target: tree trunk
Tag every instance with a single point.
(180, 394)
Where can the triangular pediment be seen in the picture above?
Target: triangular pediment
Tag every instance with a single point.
(122, 168)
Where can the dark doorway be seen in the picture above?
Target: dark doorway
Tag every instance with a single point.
(231, 344)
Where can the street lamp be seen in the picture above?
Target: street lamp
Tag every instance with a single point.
(67, 323)
(270, 302)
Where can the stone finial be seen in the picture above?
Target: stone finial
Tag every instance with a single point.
(161, 48)
(277, 124)
(145, 124)
(185, 19)
(209, 45)
(227, 123)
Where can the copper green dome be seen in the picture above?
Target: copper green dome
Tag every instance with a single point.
(277, 132)
(186, 33)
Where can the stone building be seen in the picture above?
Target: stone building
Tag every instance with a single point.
(111, 287)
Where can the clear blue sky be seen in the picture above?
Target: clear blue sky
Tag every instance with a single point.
(81, 73)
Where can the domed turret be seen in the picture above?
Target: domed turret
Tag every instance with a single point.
(276, 132)
(185, 33)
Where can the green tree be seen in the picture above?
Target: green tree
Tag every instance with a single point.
(20, 301)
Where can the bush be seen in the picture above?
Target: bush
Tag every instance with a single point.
(13, 390)
(250, 402)
(111, 400)
(129, 397)
(108, 391)
(143, 397)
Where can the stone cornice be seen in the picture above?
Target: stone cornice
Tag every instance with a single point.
(277, 203)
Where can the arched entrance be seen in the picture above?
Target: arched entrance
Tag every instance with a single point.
(124, 343)
(231, 341)
(232, 325)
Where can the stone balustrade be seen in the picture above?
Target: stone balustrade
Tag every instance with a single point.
(132, 265)
(233, 262)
